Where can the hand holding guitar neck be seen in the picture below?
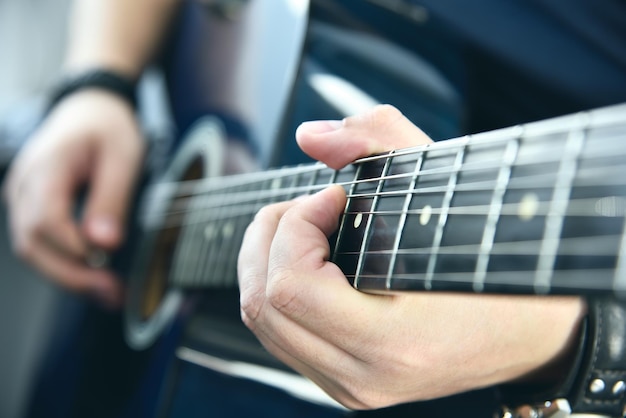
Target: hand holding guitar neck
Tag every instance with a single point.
(76, 147)
(371, 351)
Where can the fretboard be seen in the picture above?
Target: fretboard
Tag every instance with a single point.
(536, 208)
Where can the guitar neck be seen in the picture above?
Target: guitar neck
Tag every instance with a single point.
(537, 208)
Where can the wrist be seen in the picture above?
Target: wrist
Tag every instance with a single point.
(113, 82)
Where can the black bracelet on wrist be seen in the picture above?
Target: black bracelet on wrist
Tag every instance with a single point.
(107, 80)
(596, 384)
(600, 386)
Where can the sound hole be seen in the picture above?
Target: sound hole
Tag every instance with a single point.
(160, 263)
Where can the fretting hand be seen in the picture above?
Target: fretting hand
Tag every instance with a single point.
(370, 351)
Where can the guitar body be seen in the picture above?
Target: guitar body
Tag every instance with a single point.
(233, 82)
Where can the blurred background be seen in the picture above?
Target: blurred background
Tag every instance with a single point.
(32, 34)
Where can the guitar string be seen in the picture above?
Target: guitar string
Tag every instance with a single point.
(610, 143)
(572, 280)
(587, 246)
(587, 177)
(211, 185)
(485, 140)
(283, 193)
(248, 206)
(570, 246)
(597, 246)
(581, 207)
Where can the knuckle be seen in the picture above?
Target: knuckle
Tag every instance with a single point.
(24, 247)
(384, 114)
(265, 214)
(371, 398)
(247, 321)
(357, 395)
(282, 296)
(250, 303)
(381, 114)
(26, 237)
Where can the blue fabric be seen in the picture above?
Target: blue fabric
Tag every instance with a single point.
(202, 393)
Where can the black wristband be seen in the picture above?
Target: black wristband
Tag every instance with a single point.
(600, 386)
(107, 80)
(596, 384)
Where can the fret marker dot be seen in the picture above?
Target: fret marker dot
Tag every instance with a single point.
(426, 214)
(228, 229)
(528, 207)
(611, 206)
(357, 220)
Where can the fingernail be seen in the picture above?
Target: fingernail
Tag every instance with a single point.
(320, 126)
(103, 230)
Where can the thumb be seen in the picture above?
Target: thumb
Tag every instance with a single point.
(338, 143)
(315, 219)
(112, 183)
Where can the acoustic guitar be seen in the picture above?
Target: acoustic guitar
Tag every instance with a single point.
(538, 208)
(535, 209)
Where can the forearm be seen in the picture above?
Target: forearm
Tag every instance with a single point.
(119, 35)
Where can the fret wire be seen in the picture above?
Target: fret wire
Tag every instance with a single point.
(197, 275)
(443, 217)
(402, 221)
(293, 185)
(231, 258)
(558, 207)
(212, 233)
(333, 178)
(192, 226)
(342, 223)
(368, 224)
(226, 230)
(205, 247)
(314, 177)
(619, 282)
(206, 258)
(495, 208)
(275, 188)
(182, 252)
